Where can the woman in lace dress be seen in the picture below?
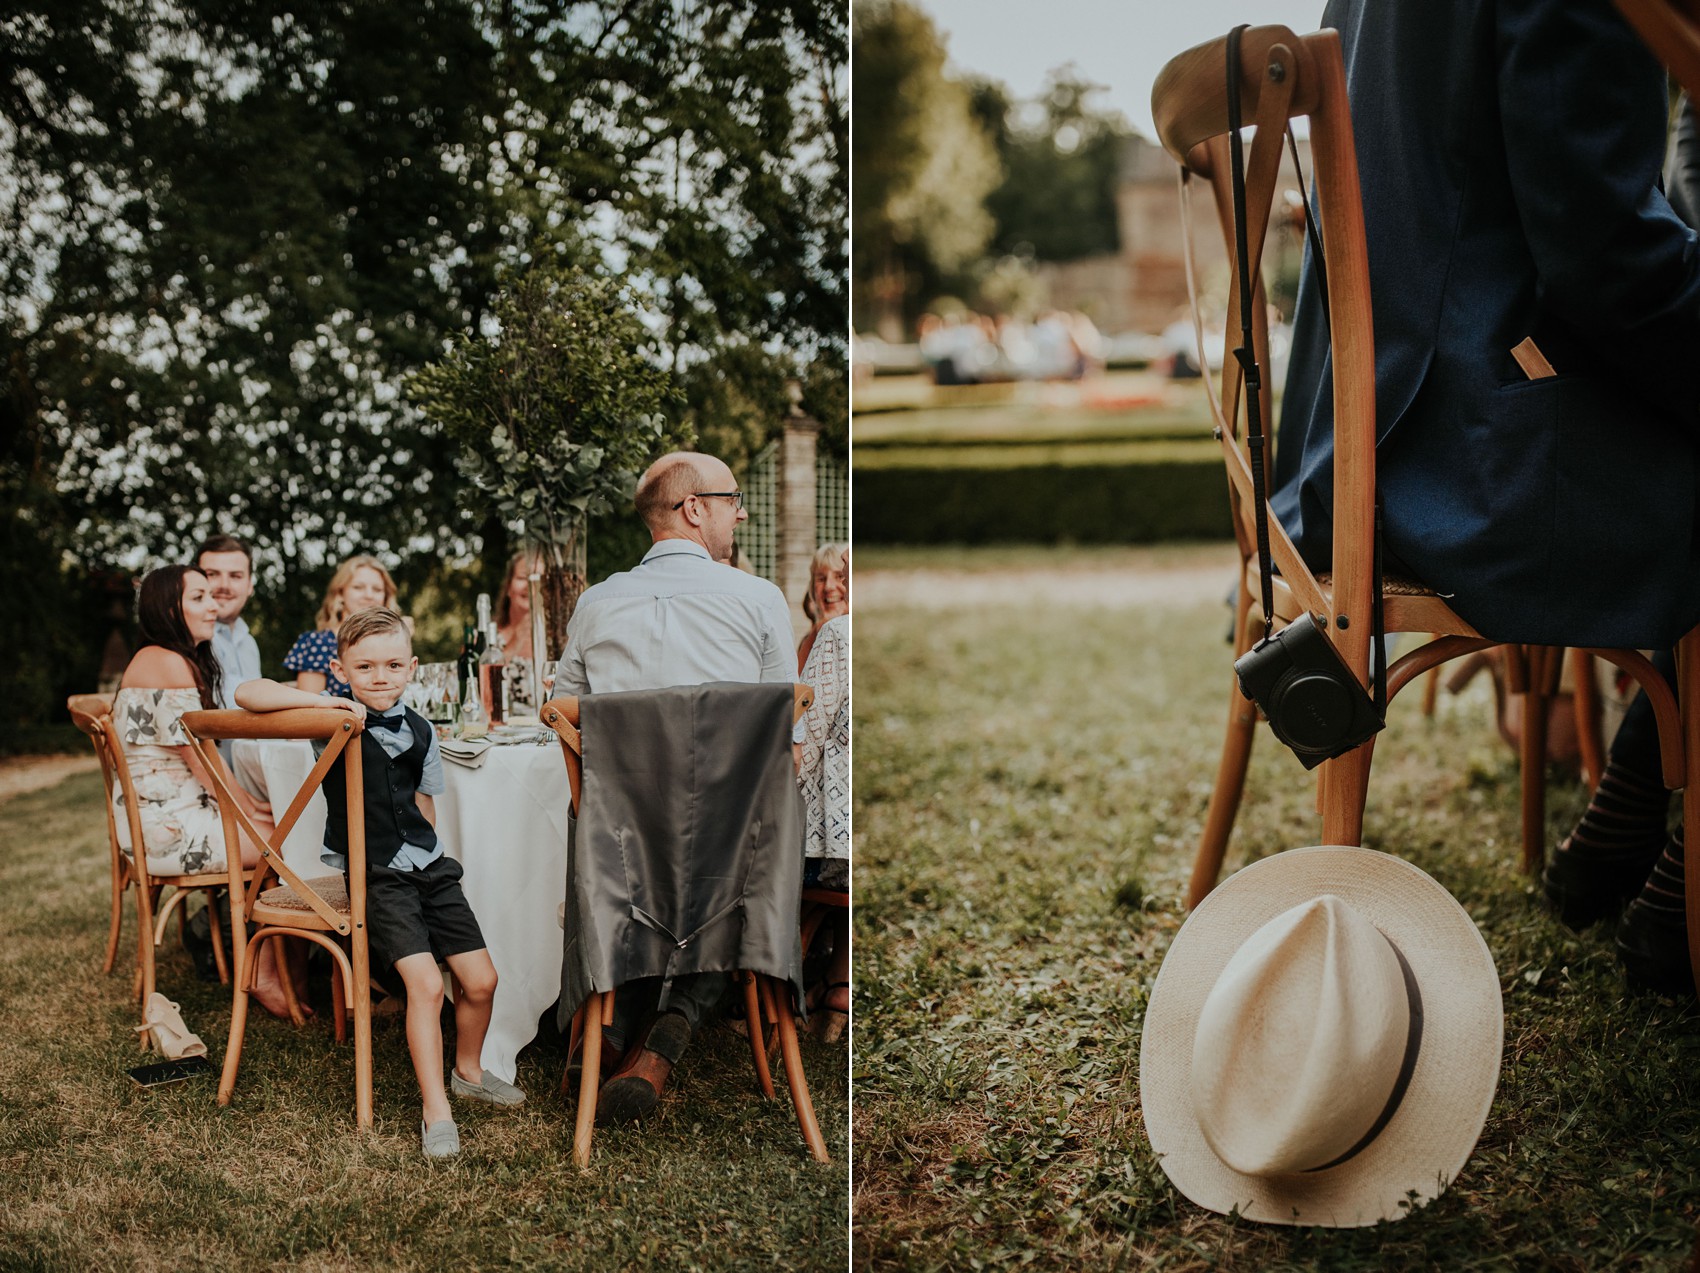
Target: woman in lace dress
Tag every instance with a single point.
(174, 672)
(823, 776)
(828, 595)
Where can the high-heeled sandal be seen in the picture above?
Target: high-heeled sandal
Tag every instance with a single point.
(162, 1020)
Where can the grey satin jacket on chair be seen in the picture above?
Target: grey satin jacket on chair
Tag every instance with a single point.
(687, 855)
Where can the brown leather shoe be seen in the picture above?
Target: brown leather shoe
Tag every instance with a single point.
(611, 1059)
(636, 1086)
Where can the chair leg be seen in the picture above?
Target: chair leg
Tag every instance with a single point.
(589, 1078)
(752, 1019)
(1533, 759)
(280, 960)
(794, 1079)
(1585, 691)
(361, 974)
(1224, 797)
(1344, 788)
(144, 951)
(1431, 690)
(770, 1011)
(339, 1006)
(217, 931)
(1688, 683)
(118, 887)
(575, 1033)
(238, 1022)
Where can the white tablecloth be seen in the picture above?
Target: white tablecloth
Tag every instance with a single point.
(506, 824)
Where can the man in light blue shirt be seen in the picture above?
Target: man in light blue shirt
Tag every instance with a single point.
(229, 567)
(682, 616)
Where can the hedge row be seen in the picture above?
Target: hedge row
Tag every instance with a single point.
(1124, 502)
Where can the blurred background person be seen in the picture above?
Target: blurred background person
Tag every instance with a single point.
(360, 583)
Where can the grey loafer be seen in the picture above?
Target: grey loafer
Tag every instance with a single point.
(441, 1139)
(488, 1088)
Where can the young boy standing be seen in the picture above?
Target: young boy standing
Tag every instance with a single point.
(415, 909)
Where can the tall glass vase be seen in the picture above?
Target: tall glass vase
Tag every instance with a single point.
(554, 594)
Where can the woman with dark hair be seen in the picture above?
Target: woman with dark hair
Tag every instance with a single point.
(174, 672)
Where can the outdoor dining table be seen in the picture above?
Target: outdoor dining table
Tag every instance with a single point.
(506, 824)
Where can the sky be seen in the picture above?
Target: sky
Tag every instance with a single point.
(1121, 44)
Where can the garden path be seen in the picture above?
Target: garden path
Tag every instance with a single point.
(1113, 588)
(19, 774)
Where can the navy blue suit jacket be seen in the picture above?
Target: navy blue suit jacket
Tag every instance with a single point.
(1509, 153)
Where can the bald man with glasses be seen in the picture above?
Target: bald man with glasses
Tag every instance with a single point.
(683, 616)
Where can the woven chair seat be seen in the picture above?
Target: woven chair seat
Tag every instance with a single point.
(330, 889)
(1392, 586)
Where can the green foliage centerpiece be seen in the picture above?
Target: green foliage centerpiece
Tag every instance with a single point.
(556, 409)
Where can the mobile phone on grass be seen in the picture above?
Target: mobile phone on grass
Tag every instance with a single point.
(170, 1071)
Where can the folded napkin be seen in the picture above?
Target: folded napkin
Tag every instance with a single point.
(467, 752)
(514, 735)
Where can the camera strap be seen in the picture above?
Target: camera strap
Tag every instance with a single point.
(1246, 356)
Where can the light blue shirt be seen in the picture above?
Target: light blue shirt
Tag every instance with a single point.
(238, 657)
(410, 857)
(677, 618)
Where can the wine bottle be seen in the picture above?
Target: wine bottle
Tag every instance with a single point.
(493, 678)
(466, 666)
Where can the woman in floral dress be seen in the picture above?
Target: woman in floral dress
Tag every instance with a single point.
(174, 672)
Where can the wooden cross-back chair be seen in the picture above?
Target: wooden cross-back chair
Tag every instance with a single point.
(92, 713)
(1284, 76)
(280, 902)
(767, 1012)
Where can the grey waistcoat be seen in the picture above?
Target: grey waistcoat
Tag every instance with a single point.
(687, 855)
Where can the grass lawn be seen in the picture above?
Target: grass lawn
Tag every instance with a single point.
(1031, 778)
(100, 1174)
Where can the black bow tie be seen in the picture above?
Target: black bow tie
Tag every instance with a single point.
(374, 721)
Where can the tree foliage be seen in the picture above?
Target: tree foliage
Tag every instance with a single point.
(235, 228)
(923, 164)
(555, 413)
(1061, 157)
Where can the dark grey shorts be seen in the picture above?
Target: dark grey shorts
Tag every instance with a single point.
(419, 912)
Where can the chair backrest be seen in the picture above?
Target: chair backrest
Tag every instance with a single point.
(670, 869)
(92, 713)
(562, 716)
(1284, 76)
(1671, 28)
(337, 728)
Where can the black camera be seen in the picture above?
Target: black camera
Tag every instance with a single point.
(1314, 703)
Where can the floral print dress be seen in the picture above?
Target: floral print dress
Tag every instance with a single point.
(180, 820)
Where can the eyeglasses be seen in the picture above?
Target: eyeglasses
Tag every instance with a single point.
(737, 498)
